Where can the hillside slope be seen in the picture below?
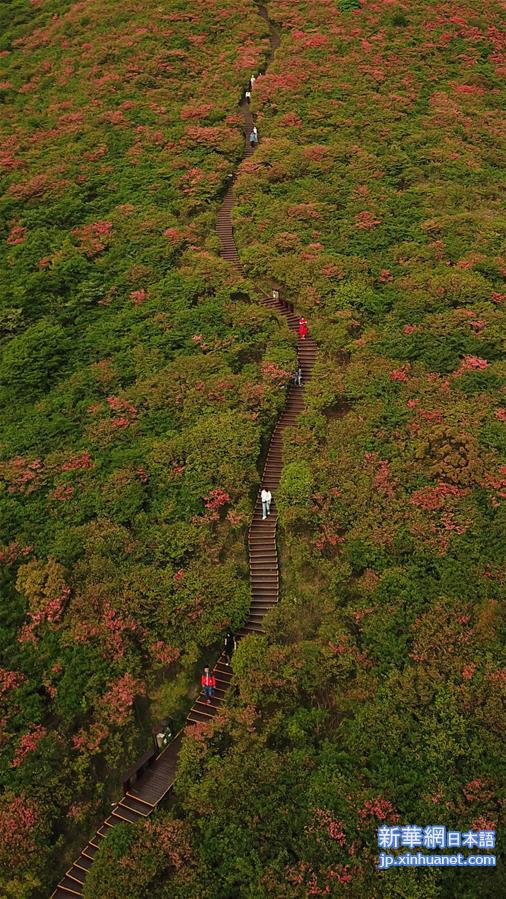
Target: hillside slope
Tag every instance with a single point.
(375, 697)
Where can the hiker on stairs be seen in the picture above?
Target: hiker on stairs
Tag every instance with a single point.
(302, 328)
(208, 682)
(266, 497)
(297, 377)
(229, 646)
(162, 738)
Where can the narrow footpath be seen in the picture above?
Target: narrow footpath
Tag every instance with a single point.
(148, 789)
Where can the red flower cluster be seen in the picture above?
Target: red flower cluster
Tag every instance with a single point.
(120, 696)
(379, 808)
(435, 497)
(63, 492)
(83, 460)
(332, 826)
(139, 296)
(22, 476)
(471, 363)
(11, 553)
(28, 743)
(16, 235)
(400, 374)
(127, 410)
(93, 238)
(366, 220)
(216, 498)
(273, 373)
(9, 680)
(18, 820)
(163, 653)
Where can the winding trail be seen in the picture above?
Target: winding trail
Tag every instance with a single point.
(153, 785)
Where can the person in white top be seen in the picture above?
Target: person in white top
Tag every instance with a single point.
(252, 81)
(247, 94)
(266, 497)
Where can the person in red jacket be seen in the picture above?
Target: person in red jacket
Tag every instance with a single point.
(208, 682)
(302, 328)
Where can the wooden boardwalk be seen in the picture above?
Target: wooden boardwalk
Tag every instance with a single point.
(152, 786)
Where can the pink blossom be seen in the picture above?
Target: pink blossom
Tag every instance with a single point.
(234, 518)
(163, 653)
(119, 697)
(400, 374)
(82, 460)
(379, 808)
(468, 671)
(115, 625)
(468, 89)
(14, 551)
(331, 825)
(92, 238)
(90, 741)
(18, 820)
(292, 120)
(200, 111)
(216, 498)
(273, 373)
(28, 743)
(483, 823)
(435, 497)
(139, 296)
(16, 235)
(471, 363)
(366, 220)
(173, 234)
(330, 270)
(63, 492)
(478, 324)
(117, 404)
(10, 680)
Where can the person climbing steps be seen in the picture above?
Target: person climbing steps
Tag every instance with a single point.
(266, 497)
(302, 328)
(229, 646)
(208, 682)
(164, 733)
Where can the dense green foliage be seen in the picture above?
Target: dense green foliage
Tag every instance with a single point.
(135, 402)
